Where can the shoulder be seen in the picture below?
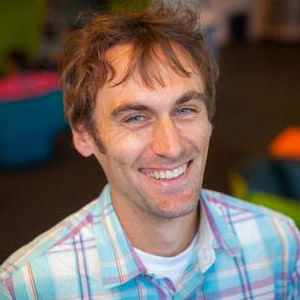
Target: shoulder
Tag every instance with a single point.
(235, 206)
(48, 246)
(254, 224)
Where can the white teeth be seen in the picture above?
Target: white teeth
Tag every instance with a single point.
(162, 175)
(169, 174)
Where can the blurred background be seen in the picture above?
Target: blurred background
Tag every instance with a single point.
(255, 148)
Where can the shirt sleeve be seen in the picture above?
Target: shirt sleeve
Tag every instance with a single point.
(296, 282)
(295, 292)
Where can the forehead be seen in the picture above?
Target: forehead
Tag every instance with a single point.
(149, 68)
(134, 90)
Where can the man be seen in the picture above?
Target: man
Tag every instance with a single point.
(139, 95)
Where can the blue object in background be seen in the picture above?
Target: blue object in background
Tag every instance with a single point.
(28, 129)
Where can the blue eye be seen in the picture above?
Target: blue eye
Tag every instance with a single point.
(136, 119)
(184, 111)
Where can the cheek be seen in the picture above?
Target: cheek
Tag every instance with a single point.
(125, 149)
(199, 135)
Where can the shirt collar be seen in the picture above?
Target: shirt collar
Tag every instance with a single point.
(205, 250)
(223, 235)
(118, 260)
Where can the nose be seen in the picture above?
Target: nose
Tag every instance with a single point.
(166, 140)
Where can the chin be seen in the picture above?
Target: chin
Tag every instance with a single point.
(174, 209)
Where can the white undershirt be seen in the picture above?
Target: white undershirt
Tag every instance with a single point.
(174, 267)
(170, 267)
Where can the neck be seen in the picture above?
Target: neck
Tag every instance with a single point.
(166, 237)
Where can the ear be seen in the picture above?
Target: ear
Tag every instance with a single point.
(83, 141)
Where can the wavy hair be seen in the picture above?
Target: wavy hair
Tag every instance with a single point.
(159, 30)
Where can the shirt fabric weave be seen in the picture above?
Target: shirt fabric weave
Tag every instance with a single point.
(256, 255)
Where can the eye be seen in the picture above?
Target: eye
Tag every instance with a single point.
(135, 119)
(185, 111)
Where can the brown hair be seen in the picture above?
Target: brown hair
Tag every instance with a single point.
(85, 67)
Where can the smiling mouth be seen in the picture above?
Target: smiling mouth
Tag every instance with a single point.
(166, 174)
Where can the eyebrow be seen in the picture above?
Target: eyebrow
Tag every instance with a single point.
(190, 95)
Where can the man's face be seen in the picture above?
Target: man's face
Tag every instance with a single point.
(156, 140)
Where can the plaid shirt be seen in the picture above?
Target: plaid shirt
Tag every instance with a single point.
(88, 256)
